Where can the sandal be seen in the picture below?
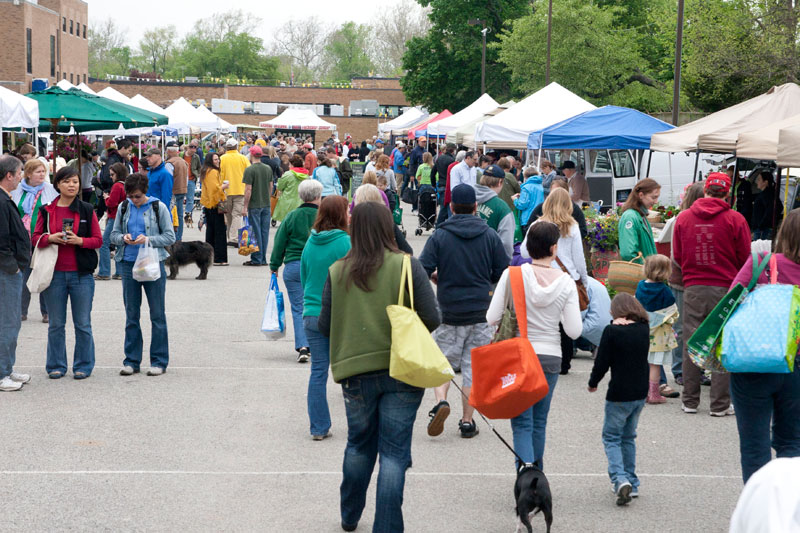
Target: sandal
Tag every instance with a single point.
(438, 415)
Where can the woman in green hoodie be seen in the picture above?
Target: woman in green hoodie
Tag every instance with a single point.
(380, 409)
(635, 233)
(288, 198)
(328, 243)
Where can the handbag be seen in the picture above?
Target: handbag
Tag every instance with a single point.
(43, 264)
(703, 345)
(247, 239)
(273, 323)
(771, 348)
(410, 193)
(507, 377)
(415, 357)
(583, 294)
(624, 276)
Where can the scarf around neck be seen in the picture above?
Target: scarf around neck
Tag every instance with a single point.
(30, 198)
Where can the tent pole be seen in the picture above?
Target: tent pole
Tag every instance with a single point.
(786, 194)
(735, 176)
(1, 141)
(777, 199)
(696, 163)
(650, 159)
(36, 139)
(669, 159)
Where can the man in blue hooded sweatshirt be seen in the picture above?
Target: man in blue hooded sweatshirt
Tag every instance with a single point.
(159, 177)
(466, 258)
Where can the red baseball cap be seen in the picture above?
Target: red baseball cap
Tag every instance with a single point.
(256, 151)
(719, 179)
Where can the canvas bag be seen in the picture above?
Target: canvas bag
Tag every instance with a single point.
(507, 377)
(764, 332)
(624, 276)
(247, 239)
(43, 264)
(415, 357)
(273, 323)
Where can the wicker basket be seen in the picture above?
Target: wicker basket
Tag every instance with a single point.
(624, 276)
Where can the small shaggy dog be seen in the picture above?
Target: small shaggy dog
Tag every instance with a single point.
(183, 253)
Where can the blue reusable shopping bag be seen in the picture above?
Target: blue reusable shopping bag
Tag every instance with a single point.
(763, 334)
(273, 325)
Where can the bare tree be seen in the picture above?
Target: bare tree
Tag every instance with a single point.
(302, 43)
(218, 25)
(157, 46)
(392, 29)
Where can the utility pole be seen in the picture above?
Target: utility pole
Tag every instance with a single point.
(549, 34)
(484, 31)
(676, 94)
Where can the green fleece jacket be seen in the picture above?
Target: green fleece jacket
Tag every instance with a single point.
(635, 235)
(321, 251)
(292, 235)
(289, 198)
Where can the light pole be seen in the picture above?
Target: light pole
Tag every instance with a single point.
(484, 31)
(549, 33)
(676, 93)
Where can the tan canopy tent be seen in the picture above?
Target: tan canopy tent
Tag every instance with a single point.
(763, 142)
(789, 147)
(719, 131)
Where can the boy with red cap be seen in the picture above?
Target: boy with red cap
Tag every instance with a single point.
(710, 243)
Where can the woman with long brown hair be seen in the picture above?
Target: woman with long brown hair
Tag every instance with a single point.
(328, 243)
(635, 233)
(382, 169)
(380, 409)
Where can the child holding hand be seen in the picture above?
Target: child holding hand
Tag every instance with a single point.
(657, 299)
(623, 349)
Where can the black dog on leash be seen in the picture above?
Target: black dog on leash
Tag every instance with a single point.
(184, 253)
(532, 493)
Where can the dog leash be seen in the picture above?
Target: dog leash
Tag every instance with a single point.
(499, 436)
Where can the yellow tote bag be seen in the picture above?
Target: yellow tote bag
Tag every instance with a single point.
(415, 358)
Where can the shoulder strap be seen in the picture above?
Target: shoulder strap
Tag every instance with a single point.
(405, 279)
(562, 265)
(773, 269)
(758, 268)
(518, 292)
(155, 212)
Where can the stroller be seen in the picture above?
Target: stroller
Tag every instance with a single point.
(397, 210)
(426, 212)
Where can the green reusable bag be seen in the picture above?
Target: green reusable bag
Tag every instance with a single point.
(508, 328)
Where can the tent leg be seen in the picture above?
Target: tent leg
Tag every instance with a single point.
(696, 163)
(786, 194)
(1, 141)
(650, 159)
(735, 179)
(36, 139)
(777, 199)
(669, 161)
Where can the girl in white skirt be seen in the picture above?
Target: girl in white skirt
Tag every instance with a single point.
(656, 297)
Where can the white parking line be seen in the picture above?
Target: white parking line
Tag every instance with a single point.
(304, 367)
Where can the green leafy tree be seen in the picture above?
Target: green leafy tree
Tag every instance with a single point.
(107, 53)
(346, 54)
(157, 49)
(443, 67)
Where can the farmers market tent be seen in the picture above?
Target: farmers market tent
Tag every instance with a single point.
(608, 127)
(208, 117)
(466, 134)
(475, 110)
(85, 88)
(422, 129)
(402, 131)
(144, 103)
(762, 143)
(17, 111)
(412, 116)
(297, 119)
(719, 131)
(113, 94)
(510, 129)
(789, 147)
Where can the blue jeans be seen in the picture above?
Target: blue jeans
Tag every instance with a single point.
(26, 295)
(619, 440)
(179, 199)
(132, 298)
(291, 278)
(530, 427)
(10, 320)
(380, 420)
(318, 413)
(191, 186)
(761, 400)
(105, 251)
(259, 221)
(80, 290)
(677, 353)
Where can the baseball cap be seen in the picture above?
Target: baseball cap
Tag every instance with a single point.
(567, 164)
(494, 171)
(173, 143)
(153, 151)
(463, 194)
(256, 151)
(720, 179)
(379, 141)
(423, 138)
(231, 143)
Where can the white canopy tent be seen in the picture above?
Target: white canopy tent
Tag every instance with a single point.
(789, 147)
(545, 107)
(401, 131)
(64, 85)
(85, 88)
(719, 131)
(208, 116)
(143, 103)
(17, 111)
(297, 119)
(113, 94)
(762, 143)
(412, 116)
(465, 134)
(475, 110)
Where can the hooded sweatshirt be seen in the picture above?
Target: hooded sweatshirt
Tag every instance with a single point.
(160, 184)
(321, 251)
(531, 194)
(547, 305)
(469, 258)
(497, 214)
(287, 186)
(710, 243)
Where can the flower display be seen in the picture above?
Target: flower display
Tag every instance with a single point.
(69, 146)
(602, 231)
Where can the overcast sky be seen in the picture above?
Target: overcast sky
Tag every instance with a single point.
(139, 15)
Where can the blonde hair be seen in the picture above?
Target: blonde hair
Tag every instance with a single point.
(558, 210)
(658, 268)
(368, 193)
(370, 177)
(31, 166)
(427, 158)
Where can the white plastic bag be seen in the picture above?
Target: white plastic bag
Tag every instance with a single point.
(273, 325)
(147, 266)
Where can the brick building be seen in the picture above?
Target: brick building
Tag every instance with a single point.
(43, 39)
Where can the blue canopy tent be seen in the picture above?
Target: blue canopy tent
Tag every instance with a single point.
(609, 127)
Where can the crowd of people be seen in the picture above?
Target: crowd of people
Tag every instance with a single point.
(342, 264)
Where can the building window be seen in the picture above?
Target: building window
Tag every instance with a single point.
(52, 55)
(84, 31)
(64, 25)
(84, 78)
(28, 50)
(70, 27)
(65, 75)
(71, 80)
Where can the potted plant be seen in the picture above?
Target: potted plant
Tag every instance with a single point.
(602, 238)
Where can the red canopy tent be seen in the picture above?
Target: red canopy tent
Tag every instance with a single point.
(422, 129)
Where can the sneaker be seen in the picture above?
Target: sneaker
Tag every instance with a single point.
(689, 410)
(438, 415)
(20, 378)
(80, 375)
(102, 278)
(468, 429)
(303, 355)
(679, 380)
(727, 412)
(9, 385)
(624, 493)
(45, 319)
(116, 276)
(349, 527)
(635, 492)
(668, 392)
(128, 371)
(156, 371)
(322, 437)
(24, 318)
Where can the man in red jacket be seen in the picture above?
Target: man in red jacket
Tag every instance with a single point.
(710, 243)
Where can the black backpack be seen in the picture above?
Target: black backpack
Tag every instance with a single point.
(124, 209)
